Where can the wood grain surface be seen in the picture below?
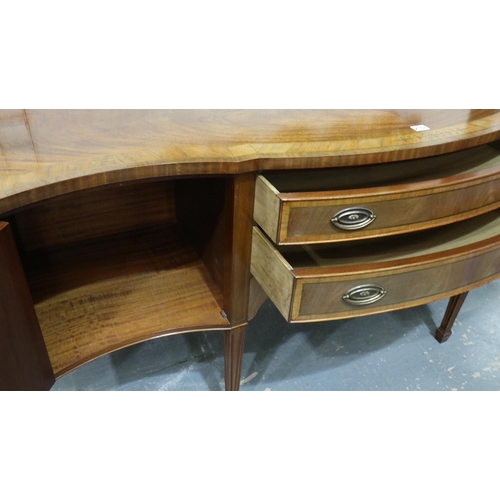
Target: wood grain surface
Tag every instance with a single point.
(106, 269)
(319, 300)
(24, 363)
(44, 153)
(273, 272)
(308, 283)
(234, 345)
(404, 196)
(98, 296)
(93, 213)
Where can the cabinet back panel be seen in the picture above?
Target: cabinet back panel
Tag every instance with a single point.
(94, 213)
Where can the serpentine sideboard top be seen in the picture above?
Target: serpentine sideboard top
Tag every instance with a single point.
(44, 153)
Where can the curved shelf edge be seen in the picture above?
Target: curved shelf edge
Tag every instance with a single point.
(61, 371)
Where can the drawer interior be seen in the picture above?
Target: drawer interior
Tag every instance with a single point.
(419, 170)
(405, 246)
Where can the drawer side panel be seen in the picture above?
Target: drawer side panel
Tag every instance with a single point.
(267, 207)
(272, 272)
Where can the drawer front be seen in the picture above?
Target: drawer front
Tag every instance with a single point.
(323, 293)
(363, 215)
(308, 222)
(322, 299)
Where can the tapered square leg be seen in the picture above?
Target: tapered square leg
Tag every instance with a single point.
(444, 331)
(234, 344)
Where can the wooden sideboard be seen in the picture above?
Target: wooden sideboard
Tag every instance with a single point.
(121, 226)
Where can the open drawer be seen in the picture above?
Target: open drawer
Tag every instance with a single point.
(377, 200)
(332, 281)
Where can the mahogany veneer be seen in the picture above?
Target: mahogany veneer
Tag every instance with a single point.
(308, 284)
(102, 295)
(125, 225)
(25, 363)
(404, 196)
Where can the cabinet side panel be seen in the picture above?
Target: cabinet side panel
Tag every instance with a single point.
(201, 213)
(216, 215)
(24, 362)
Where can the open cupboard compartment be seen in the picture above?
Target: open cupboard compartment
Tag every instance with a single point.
(112, 266)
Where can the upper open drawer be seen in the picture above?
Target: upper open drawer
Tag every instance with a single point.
(377, 200)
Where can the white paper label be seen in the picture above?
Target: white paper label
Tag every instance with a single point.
(419, 128)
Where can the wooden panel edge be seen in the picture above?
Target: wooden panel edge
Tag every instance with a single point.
(109, 350)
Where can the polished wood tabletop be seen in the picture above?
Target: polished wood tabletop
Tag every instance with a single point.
(44, 153)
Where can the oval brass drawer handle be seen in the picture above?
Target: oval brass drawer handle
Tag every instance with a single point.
(363, 295)
(353, 218)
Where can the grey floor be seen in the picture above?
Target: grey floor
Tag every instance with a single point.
(387, 352)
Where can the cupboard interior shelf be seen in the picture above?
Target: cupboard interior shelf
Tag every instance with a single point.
(100, 295)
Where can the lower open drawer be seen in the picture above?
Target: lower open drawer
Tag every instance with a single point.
(340, 280)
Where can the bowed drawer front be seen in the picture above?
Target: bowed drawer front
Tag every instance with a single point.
(321, 282)
(370, 201)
